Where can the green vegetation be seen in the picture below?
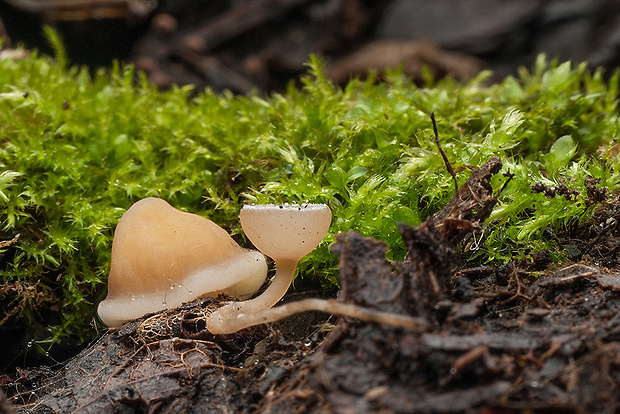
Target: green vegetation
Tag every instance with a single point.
(78, 149)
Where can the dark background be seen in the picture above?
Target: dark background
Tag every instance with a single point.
(243, 45)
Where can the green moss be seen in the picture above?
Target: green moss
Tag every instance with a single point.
(78, 149)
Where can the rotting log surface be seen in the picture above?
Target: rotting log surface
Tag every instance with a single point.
(498, 340)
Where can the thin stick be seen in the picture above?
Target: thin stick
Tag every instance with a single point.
(7, 243)
(443, 154)
(508, 175)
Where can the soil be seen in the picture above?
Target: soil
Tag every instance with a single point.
(528, 336)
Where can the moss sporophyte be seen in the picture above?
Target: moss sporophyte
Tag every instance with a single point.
(69, 172)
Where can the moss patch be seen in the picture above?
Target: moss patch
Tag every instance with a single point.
(78, 149)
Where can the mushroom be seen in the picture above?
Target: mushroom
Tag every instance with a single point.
(162, 257)
(286, 233)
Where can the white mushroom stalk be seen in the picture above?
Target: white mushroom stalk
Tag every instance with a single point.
(286, 233)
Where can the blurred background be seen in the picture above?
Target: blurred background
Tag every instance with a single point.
(241, 45)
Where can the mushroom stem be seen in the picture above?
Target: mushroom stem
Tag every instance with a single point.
(244, 320)
(233, 316)
(285, 270)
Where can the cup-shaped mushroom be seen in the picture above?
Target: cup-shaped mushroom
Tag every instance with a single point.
(162, 257)
(285, 232)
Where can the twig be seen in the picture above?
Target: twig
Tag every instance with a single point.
(7, 243)
(443, 154)
(519, 293)
(508, 175)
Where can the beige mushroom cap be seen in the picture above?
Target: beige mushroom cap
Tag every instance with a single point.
(162, 257)
(288, 231)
